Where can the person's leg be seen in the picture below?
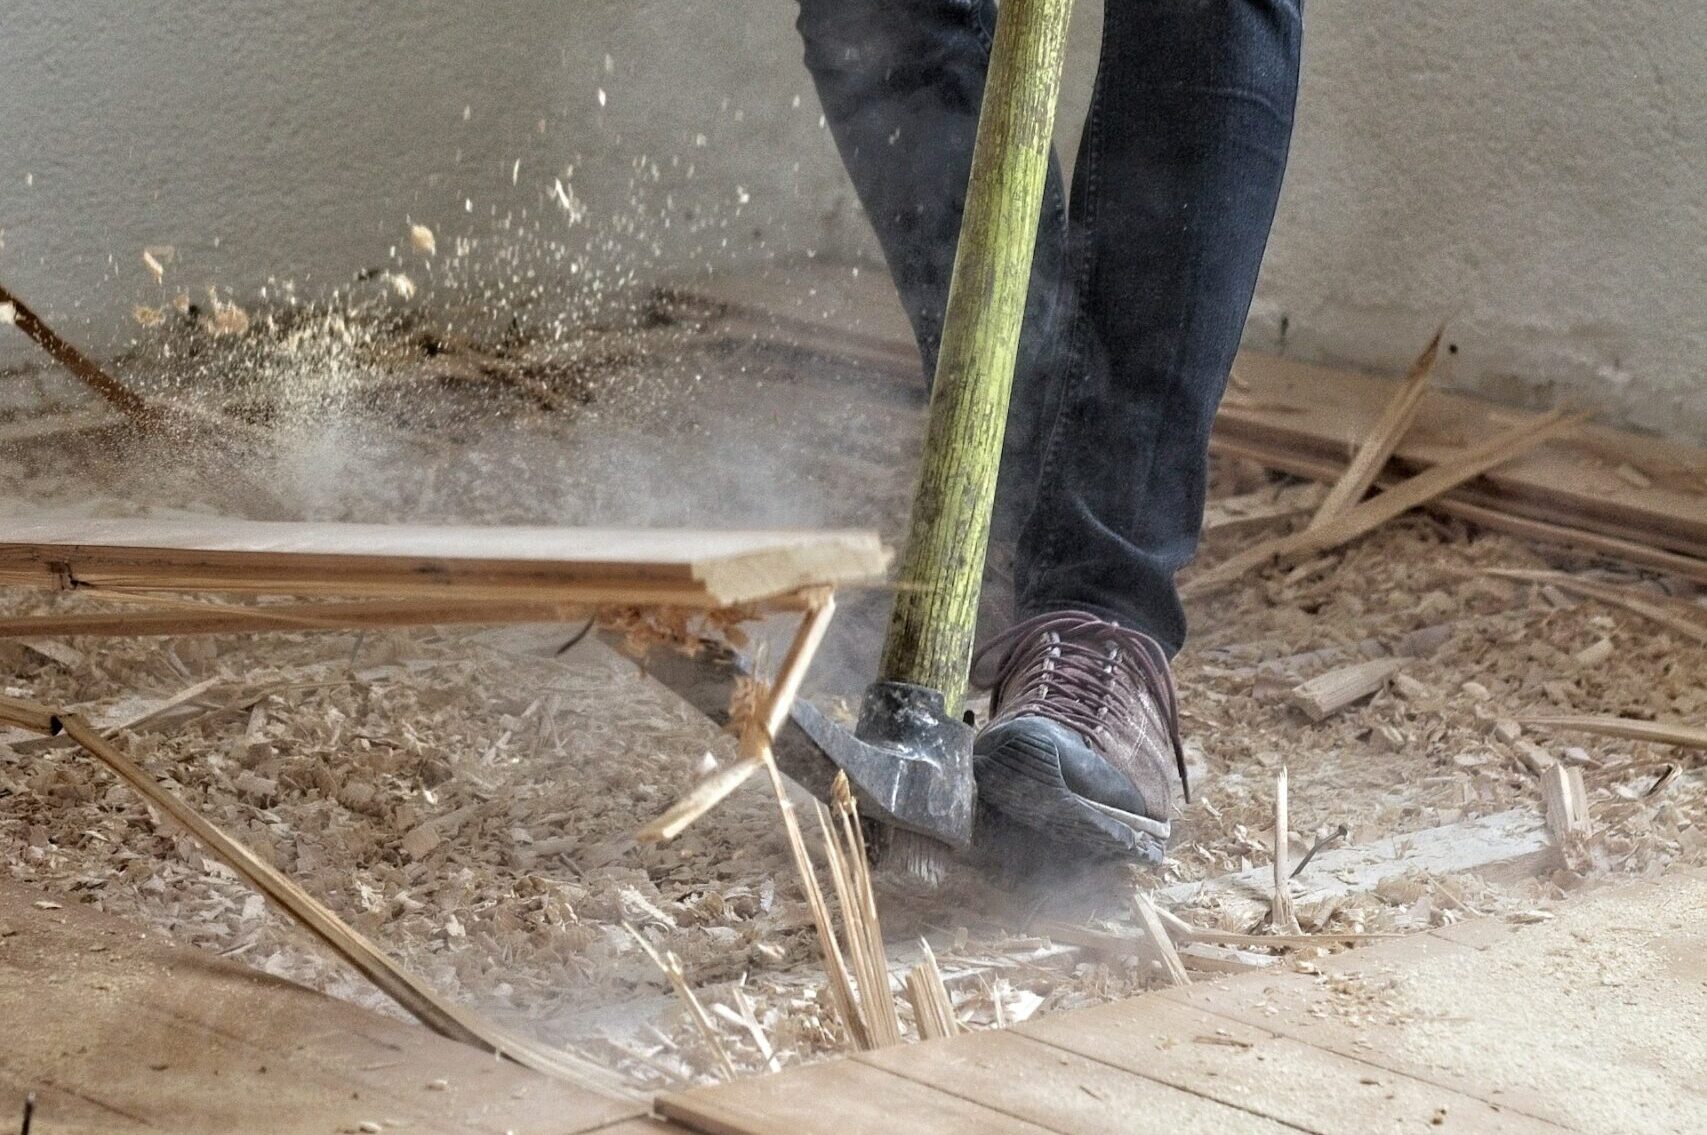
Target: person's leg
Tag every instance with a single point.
(1172, 198)
(901, 83)
(1173, 194)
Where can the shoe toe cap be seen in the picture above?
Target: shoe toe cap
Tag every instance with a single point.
(1084, 771)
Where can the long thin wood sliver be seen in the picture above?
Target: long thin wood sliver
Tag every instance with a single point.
(797, 661)
(1126, 944)
(835, 963)
(756, 747)
(1399, 499)
(933, 1008)
(437, 1014)
(671, 967)
(1234, 938)
(1383, 438)
(789, 677)
(21, 714)
(1630, 728)
(1684, 618)
(126, 400)
(877, 1000)
(853, 943)
(700, 799)
(1282, 916)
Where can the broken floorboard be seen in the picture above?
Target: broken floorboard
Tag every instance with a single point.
(1599, 489)
(1588, 1020)
(116, 1030)
(568, 565)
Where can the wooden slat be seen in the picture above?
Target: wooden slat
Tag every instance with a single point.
(220, 618)
(1511, 844)
(1589, 1019)
(1412, 492)
(1022, 1077)
(843, 1097)
(547, 564)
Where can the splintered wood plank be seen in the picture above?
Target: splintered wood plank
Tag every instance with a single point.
(122, 1031)
(842, 1097)
(1322, 412)
(1605, 538)
(706, 569)
(1632, 492)
(1257, 1071)
(1065, 1092)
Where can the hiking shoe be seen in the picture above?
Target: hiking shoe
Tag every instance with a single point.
(1084, 726)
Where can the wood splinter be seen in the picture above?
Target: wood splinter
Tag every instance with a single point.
(933, 1008)
(122, 397)
(1151, 923)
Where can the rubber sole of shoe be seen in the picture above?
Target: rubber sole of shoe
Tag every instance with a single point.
(1022, 792)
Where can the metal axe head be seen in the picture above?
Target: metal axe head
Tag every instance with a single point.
(909, 762)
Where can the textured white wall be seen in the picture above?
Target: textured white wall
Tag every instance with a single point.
(1536, 172)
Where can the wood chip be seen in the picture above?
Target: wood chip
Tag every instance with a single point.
(1326, 694)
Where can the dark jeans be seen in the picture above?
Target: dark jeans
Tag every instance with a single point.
(1140, 284)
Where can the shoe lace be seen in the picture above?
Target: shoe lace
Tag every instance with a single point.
(1080, 655)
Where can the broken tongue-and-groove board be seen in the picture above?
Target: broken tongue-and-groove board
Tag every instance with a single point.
(643, 566)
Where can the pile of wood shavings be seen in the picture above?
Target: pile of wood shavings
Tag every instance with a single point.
(466, 806)
(468, 802)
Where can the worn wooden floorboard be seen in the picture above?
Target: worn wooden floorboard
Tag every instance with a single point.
(1588, 1021)
(846, 1097)
(117, 1030)
(1020, 1075)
